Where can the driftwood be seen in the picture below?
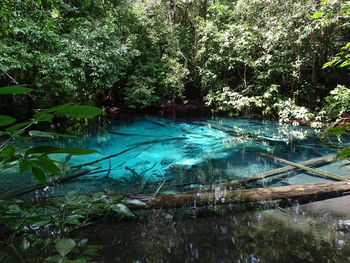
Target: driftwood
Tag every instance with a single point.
(259, 176)
(312, 170)
(314, 191)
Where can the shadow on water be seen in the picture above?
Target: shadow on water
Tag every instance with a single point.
(278, 235)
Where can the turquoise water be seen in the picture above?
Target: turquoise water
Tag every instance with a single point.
(187, 153)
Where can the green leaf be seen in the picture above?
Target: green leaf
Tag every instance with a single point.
(25, 165)
(17, 126)
(329, 63)
(19, 89)
(318, 15)
(6, 120)
(73, 219)
(48, 165)
(35, 133)
(344, 64)
(336, 130)
(43, 117)
(39, 175)
(8, 151)
(80, 111)
(64, 246)
(2, 133)
(344, 153)
(66, 150)
(52, 110)
(122, 209)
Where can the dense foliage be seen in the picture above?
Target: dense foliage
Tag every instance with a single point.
(43, 231)
(284, 59)
(244, 57)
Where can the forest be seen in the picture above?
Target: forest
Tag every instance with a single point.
(174, 121)
(285, 60)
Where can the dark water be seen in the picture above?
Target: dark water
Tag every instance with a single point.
(186, 152)
(270, 236)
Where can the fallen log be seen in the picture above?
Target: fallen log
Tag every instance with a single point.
(314, 191)
(259, 176)
(303, 193)
(303, 167)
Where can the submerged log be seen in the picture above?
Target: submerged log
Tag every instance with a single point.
(129, 134)
(244, 135)
(104, 158)
(159, 141)
(259, 176)
(303, 167)
(310, 192)
(157, 122)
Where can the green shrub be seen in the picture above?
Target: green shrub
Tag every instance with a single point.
(338, 102)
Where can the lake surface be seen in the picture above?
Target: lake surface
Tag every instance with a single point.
(186, 153)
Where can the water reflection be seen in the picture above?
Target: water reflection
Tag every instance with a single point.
(256, 236)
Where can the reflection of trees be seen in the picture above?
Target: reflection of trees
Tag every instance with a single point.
(187, 236)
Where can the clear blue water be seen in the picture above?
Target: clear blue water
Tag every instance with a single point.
(187, 153)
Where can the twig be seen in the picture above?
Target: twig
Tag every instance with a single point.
(134, 173)
(9, 76)
(109, 167)
(2, 146)
(149, 169)
(159, 188)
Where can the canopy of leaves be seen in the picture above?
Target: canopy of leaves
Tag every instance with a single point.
(141, 53)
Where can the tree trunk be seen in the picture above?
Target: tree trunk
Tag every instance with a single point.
(310, 192)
